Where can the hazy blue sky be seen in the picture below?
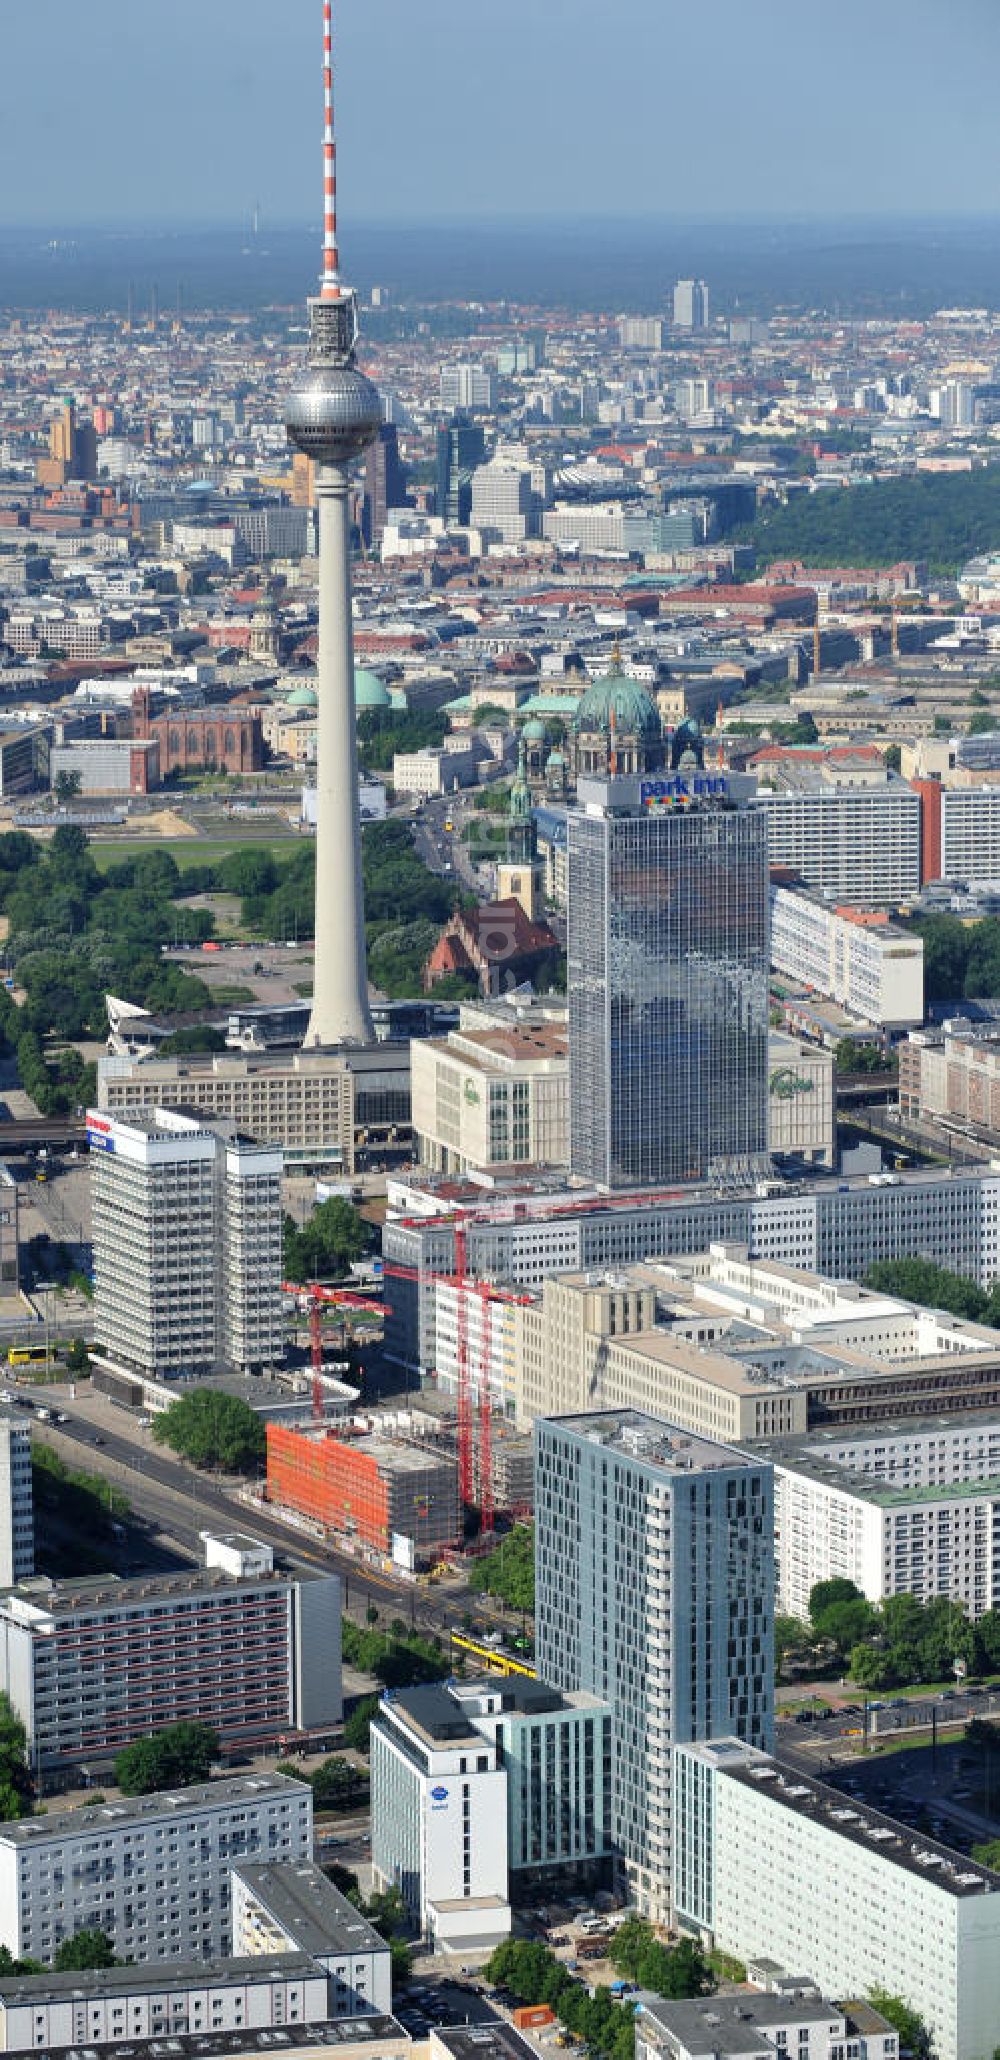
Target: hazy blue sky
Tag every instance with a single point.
(191, 109)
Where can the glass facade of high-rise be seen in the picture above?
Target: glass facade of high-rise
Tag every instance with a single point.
(654, 1551)
(667, 980)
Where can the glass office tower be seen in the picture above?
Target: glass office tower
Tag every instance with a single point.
(667, 978)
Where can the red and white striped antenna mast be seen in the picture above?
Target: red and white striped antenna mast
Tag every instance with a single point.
(330, 283)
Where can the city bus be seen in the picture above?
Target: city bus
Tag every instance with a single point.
(29, 1355)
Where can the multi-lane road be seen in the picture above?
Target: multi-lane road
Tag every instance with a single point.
(178, 1503)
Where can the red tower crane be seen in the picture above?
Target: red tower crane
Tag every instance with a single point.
(486, 1505)
(344, 1298)
(465, 1482)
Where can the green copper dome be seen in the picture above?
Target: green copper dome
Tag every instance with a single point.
(533, 731)
(303, 697)
(621, 700)
(369, 691)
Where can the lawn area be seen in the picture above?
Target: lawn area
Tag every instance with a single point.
(188, 851)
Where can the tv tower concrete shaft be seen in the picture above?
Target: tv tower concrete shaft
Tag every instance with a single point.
(333, 413)
(340, 1011)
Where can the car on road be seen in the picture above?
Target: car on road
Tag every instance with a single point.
(100, 1441)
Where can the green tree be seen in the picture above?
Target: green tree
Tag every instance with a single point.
(86, 1948)
(933, 1287)
(328, 1244)
(791, 1635)
(869, 1667)
(8, 1964)
(213, 1430)
(509, 1572)
(173, 1758)
(78, 1357)
(336, 1784)
(15, 1780)
(67, 786)
(981, 724)
(988, 1854)
(914, 2036)
(357, 1726)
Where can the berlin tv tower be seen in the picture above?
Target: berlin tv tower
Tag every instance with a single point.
(333, 412)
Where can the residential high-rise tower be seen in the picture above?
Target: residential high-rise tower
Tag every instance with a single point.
(333, 414)
(654, 1551)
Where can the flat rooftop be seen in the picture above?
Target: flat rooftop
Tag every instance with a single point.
(97, 1819)
(154, 1974)
(102, 1592)
(303, 1901)
(653, 1441)
(497, 2041)
(951, 1871)
(733, 2024)
(344, 2035)
(828, 1472)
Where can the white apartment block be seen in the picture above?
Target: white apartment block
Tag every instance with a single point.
(859, 845)
(17, 1524)
(970, 833)
(90, 1665)
(640, 332)
(933, 1531)
(795, 2023)
(875, 970)
(187, 1244)
(832, 1523)
(768, 1862)
(152, 1871)
(477, 1784)
(283, 1908)
(111, 2006)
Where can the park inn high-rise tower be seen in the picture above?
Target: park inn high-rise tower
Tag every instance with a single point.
(667, 977)
(333, 414)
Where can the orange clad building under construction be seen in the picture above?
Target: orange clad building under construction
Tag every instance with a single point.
(368, 1488)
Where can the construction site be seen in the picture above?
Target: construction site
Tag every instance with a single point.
(405, 1483)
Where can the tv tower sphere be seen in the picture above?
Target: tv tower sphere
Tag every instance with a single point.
(333, 411)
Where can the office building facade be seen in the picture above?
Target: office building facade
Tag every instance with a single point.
(93, 1664)
(837, 1230)
(17, 1521)
(151, 1871)
(768, 1862)
(691, 304)
(654, 1551)
(187, 1244)
(385, 484)
(667, 971)
(459, 450)
(346, 1109)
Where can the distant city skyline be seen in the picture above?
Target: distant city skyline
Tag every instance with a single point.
(453, 113)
